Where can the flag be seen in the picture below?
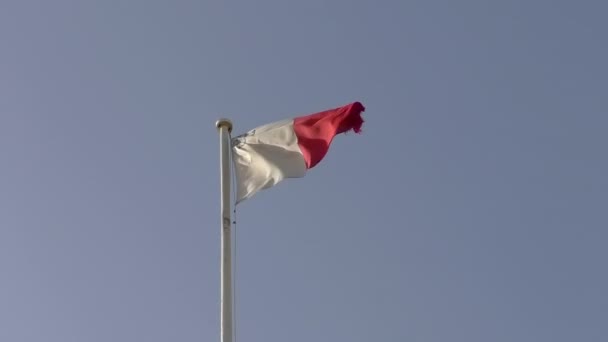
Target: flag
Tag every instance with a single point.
(266, 155)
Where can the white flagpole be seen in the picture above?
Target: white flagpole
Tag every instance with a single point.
(224, 127)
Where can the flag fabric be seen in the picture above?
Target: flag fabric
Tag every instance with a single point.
(266, 155)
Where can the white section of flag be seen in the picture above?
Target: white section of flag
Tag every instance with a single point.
(265, 156)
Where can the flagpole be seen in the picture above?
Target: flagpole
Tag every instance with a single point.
(224, 127)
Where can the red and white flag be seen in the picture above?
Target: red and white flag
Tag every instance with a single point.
(288, 148)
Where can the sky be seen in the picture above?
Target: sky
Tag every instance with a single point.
(473, 206)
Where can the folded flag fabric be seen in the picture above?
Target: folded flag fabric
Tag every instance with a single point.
(266, 155)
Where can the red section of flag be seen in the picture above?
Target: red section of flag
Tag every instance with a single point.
(316, 131)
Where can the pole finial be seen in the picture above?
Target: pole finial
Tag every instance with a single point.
(224, 123)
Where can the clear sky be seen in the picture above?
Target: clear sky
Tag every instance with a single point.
(472, 208)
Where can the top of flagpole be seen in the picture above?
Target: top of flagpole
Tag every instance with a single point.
(224, 123)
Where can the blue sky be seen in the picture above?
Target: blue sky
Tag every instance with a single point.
(472, 207)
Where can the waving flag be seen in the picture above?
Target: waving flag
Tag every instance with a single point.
(288, 148)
